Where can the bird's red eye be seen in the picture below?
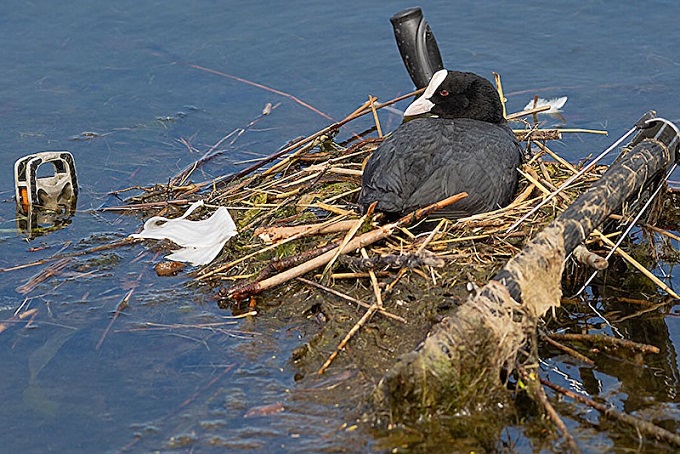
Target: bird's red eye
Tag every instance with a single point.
(444, 93)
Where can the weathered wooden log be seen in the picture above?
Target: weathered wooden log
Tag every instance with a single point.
(458, 366)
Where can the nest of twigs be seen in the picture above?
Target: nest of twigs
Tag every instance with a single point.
(301, 234)
(305, 248)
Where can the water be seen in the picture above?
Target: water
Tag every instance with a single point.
(128, 72)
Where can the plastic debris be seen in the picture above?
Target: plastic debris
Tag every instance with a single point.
(200, 241)
(46, 190)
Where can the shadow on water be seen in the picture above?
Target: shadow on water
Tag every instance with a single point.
(112, 83)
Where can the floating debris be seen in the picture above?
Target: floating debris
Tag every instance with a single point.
(555, 104)
(200, 241)
(169, 268)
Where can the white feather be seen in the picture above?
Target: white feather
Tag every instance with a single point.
(555, 104)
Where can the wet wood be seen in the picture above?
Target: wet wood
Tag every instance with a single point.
(601, 341)
(643, 427)
(569, 351)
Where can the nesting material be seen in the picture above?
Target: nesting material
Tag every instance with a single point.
(457, 365)
(526, 288)
(293, 220)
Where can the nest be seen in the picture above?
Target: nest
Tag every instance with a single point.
(303, 239)
(301, 234)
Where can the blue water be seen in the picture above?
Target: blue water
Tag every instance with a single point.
(127, 71)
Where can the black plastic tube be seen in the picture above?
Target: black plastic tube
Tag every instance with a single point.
(417, 45)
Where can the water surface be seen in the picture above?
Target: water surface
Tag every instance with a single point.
(130, 72)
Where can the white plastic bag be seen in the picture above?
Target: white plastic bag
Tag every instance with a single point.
(200, 241)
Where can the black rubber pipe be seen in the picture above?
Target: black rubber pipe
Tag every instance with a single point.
(417, 45)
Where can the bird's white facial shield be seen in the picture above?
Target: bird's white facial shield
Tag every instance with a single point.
(423, 104)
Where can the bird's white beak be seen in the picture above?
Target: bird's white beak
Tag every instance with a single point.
(419, 106)
(423, 104)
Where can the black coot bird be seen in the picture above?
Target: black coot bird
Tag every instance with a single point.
(468, 146)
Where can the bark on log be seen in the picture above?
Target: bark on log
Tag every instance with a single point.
(459, 364)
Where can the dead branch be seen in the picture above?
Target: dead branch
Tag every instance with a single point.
(537, 391)
(274, 234)
(279, 265)
(570, 351)
(600, 340)
(642, 426)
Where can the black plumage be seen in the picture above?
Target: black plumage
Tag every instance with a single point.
(467, 147)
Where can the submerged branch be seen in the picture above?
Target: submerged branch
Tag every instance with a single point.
(642, 426)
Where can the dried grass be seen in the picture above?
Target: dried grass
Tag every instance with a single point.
(300, 214)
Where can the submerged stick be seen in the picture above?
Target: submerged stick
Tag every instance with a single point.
(263, 87)
(644, 427)
(119, 310)
(124, 242)
(181, 177)
(54, 269)
(538, 392)
(20, 316)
